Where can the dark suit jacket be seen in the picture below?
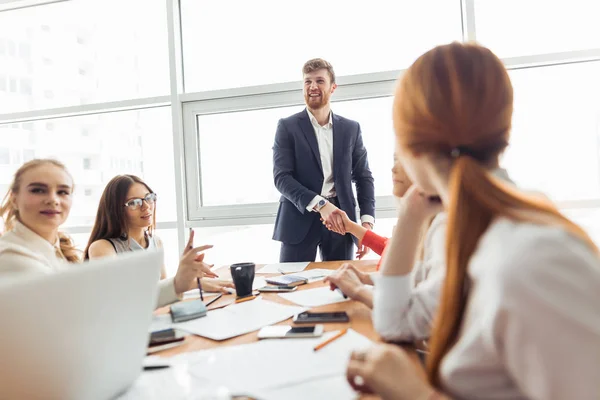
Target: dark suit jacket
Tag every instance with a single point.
(299, 177)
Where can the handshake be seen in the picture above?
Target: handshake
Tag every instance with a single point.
(335, 220)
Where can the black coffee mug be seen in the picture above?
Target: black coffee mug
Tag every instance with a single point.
(243, 278)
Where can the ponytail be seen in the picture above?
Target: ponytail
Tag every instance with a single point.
(477, 198)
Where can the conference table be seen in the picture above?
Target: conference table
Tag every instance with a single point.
(360, 315)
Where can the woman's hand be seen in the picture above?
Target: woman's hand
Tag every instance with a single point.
(346, 279)
(387, 371)
(217, 285)
(192, 266)
(419, 206)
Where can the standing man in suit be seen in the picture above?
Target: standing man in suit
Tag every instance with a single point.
(316, 157)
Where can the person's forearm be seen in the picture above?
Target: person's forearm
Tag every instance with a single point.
(365, 296)
(356, 230)
(399, 257)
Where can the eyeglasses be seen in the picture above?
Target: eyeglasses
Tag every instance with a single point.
(134, 204)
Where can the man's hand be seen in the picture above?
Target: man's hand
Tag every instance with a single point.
(331, 219)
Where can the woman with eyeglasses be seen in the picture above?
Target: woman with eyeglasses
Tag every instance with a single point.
(126, 221)
(38, 202)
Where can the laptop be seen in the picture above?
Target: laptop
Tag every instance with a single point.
(78, 334)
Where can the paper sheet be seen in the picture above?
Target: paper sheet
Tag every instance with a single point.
(330, 388)
(160, 322)
(195, 294)
(285, 268)
(276, 363)
(238, 319)
(314, 297)
(314, 274)
(173, 383)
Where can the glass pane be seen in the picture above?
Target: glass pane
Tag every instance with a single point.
(555, 141)
(95, 148)
(588, 219)
(250, 162)
(514, 28)
(272, 46)
(234, 244)
(81, 52)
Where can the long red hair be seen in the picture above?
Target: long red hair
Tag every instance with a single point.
(456, 102)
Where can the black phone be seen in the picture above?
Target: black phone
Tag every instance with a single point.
(308, 317)
(165, 336)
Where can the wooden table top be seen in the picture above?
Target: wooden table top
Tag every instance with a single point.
(360, 315)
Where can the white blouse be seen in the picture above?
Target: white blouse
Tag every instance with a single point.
(413, 299)
(23, 251)
(531, 328)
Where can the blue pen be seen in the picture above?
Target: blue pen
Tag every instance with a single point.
(200, 289)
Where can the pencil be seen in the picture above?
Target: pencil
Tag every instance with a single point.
(243, 299)
(331, 339)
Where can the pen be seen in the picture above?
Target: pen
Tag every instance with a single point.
(281, 271)
(331, 339)
(200, 289)
(217, 297)
(340, 292)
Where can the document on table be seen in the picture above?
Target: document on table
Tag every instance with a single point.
(276, 363)
(285, 268)
(238, 319)
(314, 274)
(314, 297)
(330, 388)
(195, 294)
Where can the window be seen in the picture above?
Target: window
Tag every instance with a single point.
(5, 157)
(25, 86)
(527, 27)
(129, 54)
(12, 48)
(555, 141)
(273, 45)
(250, 162)
(28, 155)
(88, 163)
(24, 51)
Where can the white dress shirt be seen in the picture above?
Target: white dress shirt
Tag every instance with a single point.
(412, 299)
(324, 135)
(531, 328)
(24, 252)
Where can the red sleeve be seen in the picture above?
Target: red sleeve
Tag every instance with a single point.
(375, 242)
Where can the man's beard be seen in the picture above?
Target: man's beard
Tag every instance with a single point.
(314, 104)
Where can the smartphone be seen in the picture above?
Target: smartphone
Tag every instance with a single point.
(278, 289)
(165, 336)
(285, 331)
(308, 317)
